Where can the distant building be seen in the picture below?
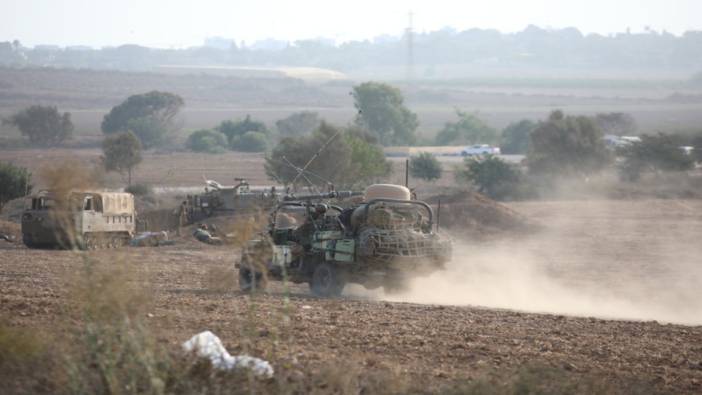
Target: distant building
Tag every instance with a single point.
(222, 43)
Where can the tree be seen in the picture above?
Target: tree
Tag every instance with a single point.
(122, 152)
(493, 176)
(346, 158)
(250, 141)
(469, 129)
(205, 140)
(233, 129)
(382, 111)
(153, 114)
(149, 130)
(425, 166)
(299, 123)
(14, 182)
(653, 153)
(43, 125)
(616, 123)
(567, 145)
(515, 137)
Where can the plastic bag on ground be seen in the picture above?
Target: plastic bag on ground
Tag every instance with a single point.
(207, 345)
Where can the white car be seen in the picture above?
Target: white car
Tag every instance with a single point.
(480, 149)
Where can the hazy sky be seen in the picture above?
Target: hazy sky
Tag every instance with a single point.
(179, 23)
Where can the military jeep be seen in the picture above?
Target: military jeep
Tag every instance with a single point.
(382, 242)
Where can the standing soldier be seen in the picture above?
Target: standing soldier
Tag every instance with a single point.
(182, 216)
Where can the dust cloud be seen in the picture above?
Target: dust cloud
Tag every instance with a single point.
(618, 260)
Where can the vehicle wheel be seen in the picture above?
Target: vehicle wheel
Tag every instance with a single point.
(27, 240)
(251, 281)
(327, 281)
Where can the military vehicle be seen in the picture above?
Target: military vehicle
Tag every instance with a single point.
(227, 200)
(382, 242)
(78, 219)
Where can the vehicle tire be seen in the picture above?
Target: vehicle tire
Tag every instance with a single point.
(251, 281)
(327, 281)
(27, 240)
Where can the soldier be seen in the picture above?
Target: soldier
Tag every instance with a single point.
(202, 234)
(182, 216)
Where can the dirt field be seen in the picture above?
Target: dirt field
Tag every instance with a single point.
(637, 260)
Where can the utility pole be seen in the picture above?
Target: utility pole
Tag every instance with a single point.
(409, 35)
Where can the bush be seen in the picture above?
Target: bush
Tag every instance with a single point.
(469, 129)
(653, 153)
(567, 145)
(250, 142)
(209, 141)
(235, 129)
(14, 182)
(298, 124)
(43, 125)
(493, 176)
(160, 106)
(346, 157)
(425, 166)
(515, 137)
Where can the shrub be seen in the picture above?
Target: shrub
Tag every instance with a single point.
(567, 145)
(469, 129)
(653, 153)
(43, 125)
(346, 157)
(515, 137)
(209, 141)
(425, 166)
(250, 142)
(236, 129)
(493, 176)
(298, 124)
(14, 182)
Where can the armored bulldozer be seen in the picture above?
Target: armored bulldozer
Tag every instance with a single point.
(78, 219)
(384, 241)
(228, 200)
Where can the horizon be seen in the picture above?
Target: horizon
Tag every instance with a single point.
(174, 24)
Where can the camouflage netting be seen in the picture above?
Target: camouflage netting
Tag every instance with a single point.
(477, 214)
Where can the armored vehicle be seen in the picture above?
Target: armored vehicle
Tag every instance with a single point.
(227, 200)
(381, 242)
(78, 219)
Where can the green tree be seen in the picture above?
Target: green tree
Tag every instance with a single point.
(493, 176)
(210, 141)
(299, 123)
(122, 152)
(653, 153)
(425, 166)
(149, 130)
(382, 111)
(14, 182)
(234, 129)
(342, 156)
(250, 141)
(469, 129)
(43, 125)
(152, 114)
(567, 145)
(515, 137)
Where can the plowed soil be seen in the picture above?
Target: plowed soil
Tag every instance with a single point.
(431, 336)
